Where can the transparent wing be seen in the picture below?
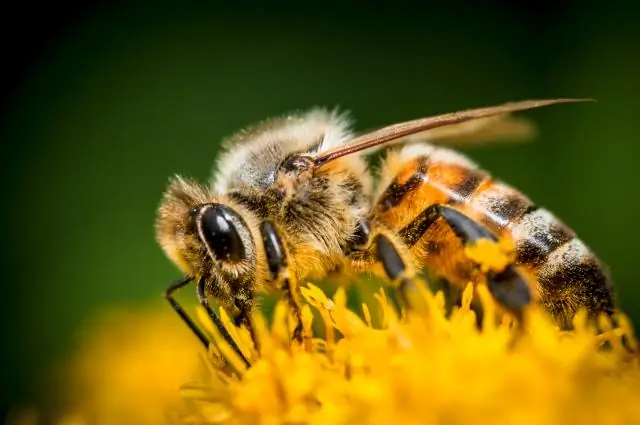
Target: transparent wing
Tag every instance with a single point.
(473, 125)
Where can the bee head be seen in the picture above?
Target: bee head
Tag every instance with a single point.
(201, 234)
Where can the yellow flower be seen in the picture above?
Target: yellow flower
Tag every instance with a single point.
(371, 364)
(384, 366)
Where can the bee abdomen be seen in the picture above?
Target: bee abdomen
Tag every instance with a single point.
(572, 277)
(537, 234)
(568, 273)
(497, 205)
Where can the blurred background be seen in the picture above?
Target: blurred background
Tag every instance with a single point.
(102, 103)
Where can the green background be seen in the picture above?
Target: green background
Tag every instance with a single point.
(121, 97)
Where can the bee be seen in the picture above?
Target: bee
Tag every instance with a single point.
(293, 198)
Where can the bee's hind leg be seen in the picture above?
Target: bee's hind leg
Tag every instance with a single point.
(507, 286)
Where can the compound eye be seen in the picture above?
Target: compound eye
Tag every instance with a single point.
(219, 225)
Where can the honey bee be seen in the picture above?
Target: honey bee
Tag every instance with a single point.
(293, 199)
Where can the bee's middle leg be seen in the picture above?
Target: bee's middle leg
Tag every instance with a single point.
(378, 244)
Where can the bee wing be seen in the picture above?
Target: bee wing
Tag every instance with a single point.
(478, 124)
(497, 128)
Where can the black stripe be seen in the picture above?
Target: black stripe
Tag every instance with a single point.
(583, 281)
(542, 239)
(472, 179)
(395, 193)
(585, 271)
(508, 207)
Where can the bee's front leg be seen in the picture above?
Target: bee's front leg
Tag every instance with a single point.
(281, 274)
(200, 290)
(204, 302)
(169, 295)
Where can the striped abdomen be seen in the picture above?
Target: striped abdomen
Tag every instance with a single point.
(566, 274)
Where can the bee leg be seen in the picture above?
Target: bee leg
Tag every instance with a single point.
(168, 294)
(507, 286)
(465, 229)
(204, 302)
(388, 250)
(510, 290)
(280, 273)
(397, 268)
(244, 304)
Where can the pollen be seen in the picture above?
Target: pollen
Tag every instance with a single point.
(490, 255)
